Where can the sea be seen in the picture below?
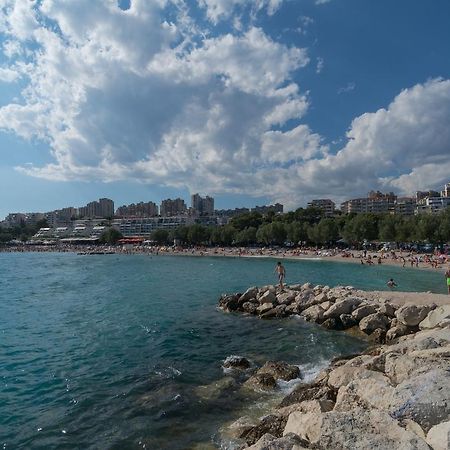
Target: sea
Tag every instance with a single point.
(126, 351)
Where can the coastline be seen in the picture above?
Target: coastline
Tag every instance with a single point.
(412, 261)
(398, 391)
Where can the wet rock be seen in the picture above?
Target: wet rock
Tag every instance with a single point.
(307, 406)
(250, 308)
(347, 321)
(236, 362)
(373, 321)
(280, 370)
(229, 302)
(271, 424)
(332, 324)
(412, 315)
(240, 426)
(216, 389)
(261, 382)
(310, 391)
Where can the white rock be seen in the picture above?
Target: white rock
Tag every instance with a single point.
(439, 436)
(435, 317)
(412, 315)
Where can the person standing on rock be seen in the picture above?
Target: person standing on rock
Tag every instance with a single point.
(447, 277)
(281, 271)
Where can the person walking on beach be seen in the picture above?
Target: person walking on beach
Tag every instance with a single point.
(447, 277)
(281, 271)
(391, 283)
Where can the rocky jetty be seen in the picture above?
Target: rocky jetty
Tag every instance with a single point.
(395, 395)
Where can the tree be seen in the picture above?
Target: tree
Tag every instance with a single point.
(388, 228)
(247, 220)
(246, 237)
(198, 234)
(160, 236)
(110, 236)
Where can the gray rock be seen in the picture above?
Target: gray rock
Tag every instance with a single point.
(363, 311)
(373, 321)
(313, 313)
(309, 391)
(289, 442)
(286, 298)
(345, 306)
(359, 429)
(398, 331)
(435, 317)
(268, 297)
(343, 375)
(229, 302)
(280, 370)
(332, 324)
(249, 294)
(378, 336)
(249, 307)
(412, 315)
(264, 308)
(387, 309)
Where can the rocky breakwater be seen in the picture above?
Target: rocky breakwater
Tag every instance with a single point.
(395, 395)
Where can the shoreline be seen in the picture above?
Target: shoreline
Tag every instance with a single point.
(397, 391)
(412, 261)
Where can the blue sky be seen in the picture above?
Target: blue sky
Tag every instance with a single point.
(251, 101)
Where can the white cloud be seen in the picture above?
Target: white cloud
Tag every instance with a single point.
(131, 95)
(349, 87)
(8, 75)
(217, 10)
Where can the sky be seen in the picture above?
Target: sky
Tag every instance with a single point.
(249, 101)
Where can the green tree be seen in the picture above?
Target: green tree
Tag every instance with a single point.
(388, 228)
(110, 236)
(198, 234)
(160, 236)
(244, 221)
(246, 237)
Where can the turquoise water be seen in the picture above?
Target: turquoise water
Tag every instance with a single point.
(109, 351)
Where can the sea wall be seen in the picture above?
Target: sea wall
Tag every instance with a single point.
(395, 395)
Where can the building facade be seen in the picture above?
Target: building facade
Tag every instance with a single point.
(202, 206)
(171, 208)
(141, 209)
(325, 204)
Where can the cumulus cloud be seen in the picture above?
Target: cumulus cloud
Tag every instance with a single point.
(145, 94)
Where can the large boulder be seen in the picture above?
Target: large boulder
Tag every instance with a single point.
(280, 370)
(387, 309)
(345, 306)
(261, 382)
(363, 311)
(261, 309)
(372, 322)
(307, 406)
(272, 424)
(309, 391)
(412, 315)
(286, 298)
(435, 317)
(313, 314)
(249, 294)
(398, 331)
(229, 302)
(347, 321)
(268, 297)
(343, 375)
(359, 429)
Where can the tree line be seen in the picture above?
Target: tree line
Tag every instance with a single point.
(310, 227)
